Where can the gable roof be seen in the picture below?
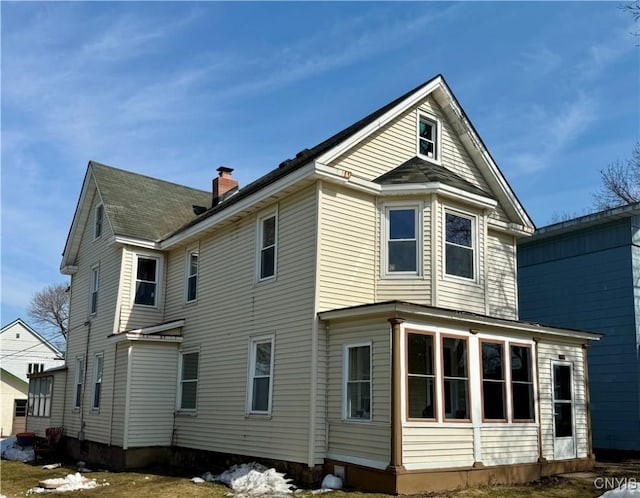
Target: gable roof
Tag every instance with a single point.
(417, 170)
(143, 207)
(136, 206)
(25, 326)
(337, 144)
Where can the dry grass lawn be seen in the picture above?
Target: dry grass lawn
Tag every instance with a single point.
(16, 478)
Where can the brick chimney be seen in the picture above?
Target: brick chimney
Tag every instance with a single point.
(223, 185)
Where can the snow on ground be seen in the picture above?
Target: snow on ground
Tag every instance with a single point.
(251, 479)
(70, 483)
(623, 492)
(9, 450)
(254, 479)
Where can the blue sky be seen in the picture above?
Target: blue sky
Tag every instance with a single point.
(174, 90)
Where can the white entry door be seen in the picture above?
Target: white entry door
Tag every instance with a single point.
(564, 443)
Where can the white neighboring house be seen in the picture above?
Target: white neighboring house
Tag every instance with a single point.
(23, 351)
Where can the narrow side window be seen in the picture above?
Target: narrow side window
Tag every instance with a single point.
(459, 245)
(192, 276)
(79, 382)
(188, 381)
(402, 240)
(98, 366)
(267, 247)
(99, 216)
(95, 282)
(261, 375)
(358, 382)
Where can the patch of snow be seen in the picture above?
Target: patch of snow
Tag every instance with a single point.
(52, 466)
(331, 482)
(70, 483)
(623, 492)
(197, 480)
(252, 479)
(9, 450)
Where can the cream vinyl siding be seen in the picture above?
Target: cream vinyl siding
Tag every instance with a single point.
(460, 293)
(233, 307)
(91, 253)
(130, 316)
(120, 395)
(416, 289)
(501, 273)
(40, 424)
(547, 353)
(152, 394)
(504, 444)
(437, 447)
(355, 439)
(348, 248)
(396, 142)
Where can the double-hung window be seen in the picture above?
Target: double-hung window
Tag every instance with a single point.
(494, 405)
(402, 234)
(146, 291)
(33, 368)
(260, 375)
(522, 383)
(428, 138)
(459, 245)
(99, 216)
(39, 400)
(79, 382)
(188, 380)
(358, 382)
(267, 246)
(98, 365)
(192, 276)
(95, 282)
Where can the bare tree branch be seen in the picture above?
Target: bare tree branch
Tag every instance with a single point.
(620, 182)
(50, 307)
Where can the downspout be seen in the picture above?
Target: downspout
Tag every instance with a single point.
(125, 435)
(541, 459)
(113, 391)
(587, 401)
(395, 464)
(84, 380)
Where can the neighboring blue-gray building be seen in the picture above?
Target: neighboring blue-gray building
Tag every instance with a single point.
(584, 273)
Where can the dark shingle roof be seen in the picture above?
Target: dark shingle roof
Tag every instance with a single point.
(417, 170)
(142, 207)
(305, 156)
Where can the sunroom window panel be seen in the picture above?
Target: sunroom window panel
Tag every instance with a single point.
(456, 380)
(421, 397)
(522, 395)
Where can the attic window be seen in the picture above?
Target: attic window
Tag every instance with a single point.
(428, 138)
(97, 230)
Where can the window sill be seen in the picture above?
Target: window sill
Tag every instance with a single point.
(437, 161)
(461, 280)
(401, 276)
(185, 413)
(258, 416)
(357, 420)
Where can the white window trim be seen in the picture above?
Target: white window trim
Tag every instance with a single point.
(98, 359)
(438, 142)
(253, 342)
(384, 239)
(79, 381)
(159, 275)
(97, 235)
(193, 250)
(95, 286)
(474, 244)
(259, 231)
(345, 381)
(180, 381)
